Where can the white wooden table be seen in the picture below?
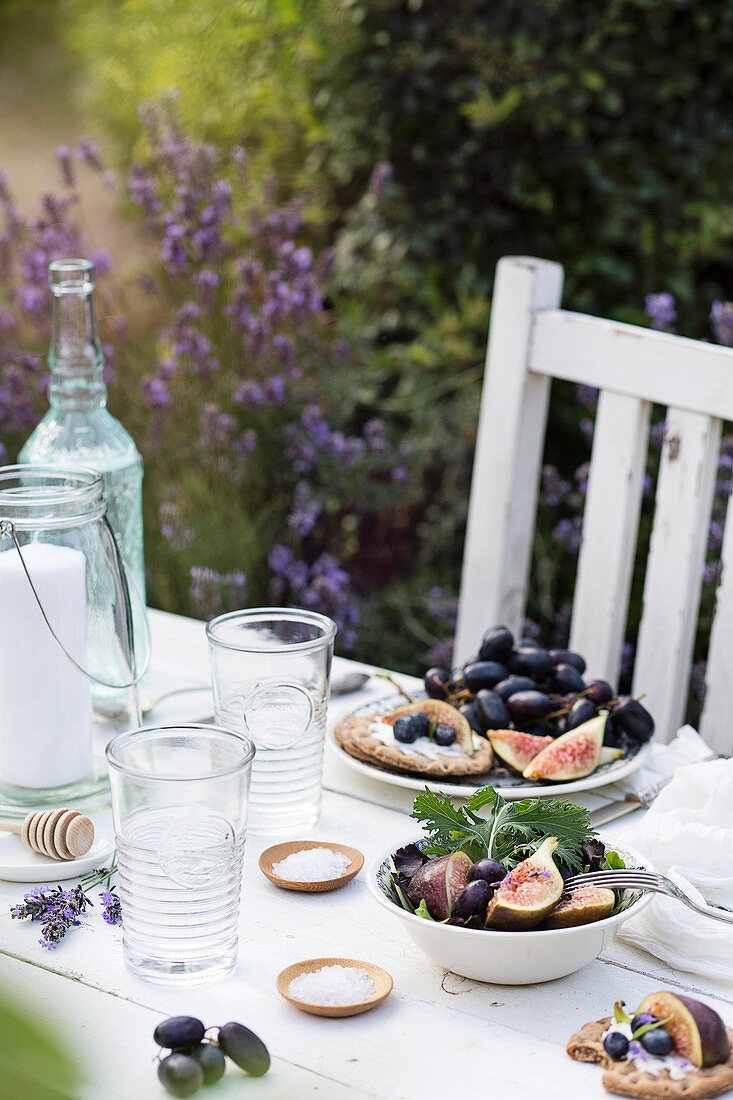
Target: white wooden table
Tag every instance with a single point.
(434, 1032)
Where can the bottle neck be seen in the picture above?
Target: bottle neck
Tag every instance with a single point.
(75, 357)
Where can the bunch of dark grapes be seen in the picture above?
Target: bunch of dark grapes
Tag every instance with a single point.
(523, 686)
(197, 1060)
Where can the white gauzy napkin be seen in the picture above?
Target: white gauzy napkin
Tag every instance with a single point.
(687, 834)
(687, 747)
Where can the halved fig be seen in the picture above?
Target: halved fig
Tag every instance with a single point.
(439, 883)
(583, 905)
(443, 714)
(699, 1033)
(516, 749)
(571, 756)
(608, 755)
(529, 892)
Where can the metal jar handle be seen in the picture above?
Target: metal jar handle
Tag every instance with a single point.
(7, 531)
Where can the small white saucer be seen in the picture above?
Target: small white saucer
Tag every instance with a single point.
(19, 864)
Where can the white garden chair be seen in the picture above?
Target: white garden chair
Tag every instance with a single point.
(532, 341)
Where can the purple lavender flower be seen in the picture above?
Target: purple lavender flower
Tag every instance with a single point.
(721, 319)
(660, 309)
(111, 907)
(58, 911)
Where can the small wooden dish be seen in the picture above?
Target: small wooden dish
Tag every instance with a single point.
(381, 980)
(279, 852)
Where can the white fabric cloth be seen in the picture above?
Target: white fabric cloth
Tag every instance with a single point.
(687, 834)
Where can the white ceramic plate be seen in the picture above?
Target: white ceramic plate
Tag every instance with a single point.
(512, 787)
(19, 864)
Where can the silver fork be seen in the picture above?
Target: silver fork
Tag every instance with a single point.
(629, 879)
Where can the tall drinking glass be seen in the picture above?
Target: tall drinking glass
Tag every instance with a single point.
(270, 669)
(179, 803)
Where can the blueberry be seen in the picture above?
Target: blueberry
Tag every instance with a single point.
(641, 1019)
(658, 1042)
(616, 1045)
(444, 735)
(404, 730)
(421, 723)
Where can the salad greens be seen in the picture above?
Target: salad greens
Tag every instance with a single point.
(508, 832)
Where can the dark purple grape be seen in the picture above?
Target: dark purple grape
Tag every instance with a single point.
(491, 710)
(436, 683)
(613, 738)
(530, 662)
(642, 1019)
(539, 730)
(581, 711)
(488, 869)
(457, 682)
(468, 710)
(632, 718)
(180, 1075)
(473, 899)
(658, 1042)
(567, 657)
(211, 1060)
(513, 684)
(598, 691)
(567, 678)
(483, 674)
(496, 644)
(529, 643)
(528, 706)
(561, 726)
(179, 1032)
(444, 735)
(616, 1045)
(245, 1048)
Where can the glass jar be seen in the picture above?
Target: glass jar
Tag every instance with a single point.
(66, 625)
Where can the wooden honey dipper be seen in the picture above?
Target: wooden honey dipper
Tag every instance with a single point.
(59, 834)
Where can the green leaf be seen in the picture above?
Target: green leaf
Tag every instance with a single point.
(614, 861)
(422, 911)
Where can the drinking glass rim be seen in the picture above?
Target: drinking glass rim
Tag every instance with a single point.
(141, 773)
(296, 614)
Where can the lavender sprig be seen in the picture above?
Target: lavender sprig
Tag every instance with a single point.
(59, 910)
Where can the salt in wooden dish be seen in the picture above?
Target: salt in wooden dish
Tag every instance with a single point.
(381, 980)
(279, 852)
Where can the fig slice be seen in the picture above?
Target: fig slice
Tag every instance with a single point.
(571, 756)
(584, 905)
(442, 714)
(529, 893)
(516, 749)
(609, 755)
(699, 1033)
(439, 882)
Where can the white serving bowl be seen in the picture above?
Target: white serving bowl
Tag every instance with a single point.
(508, 958)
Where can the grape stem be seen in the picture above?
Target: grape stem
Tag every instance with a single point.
(393, 682)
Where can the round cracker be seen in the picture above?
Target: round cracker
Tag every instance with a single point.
(353, 735)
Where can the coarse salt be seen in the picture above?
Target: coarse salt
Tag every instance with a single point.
(332, 985)
(311, 865)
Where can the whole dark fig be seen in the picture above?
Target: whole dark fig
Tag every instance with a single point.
(483, 674)
(534, 663)
(581, 711)
(598, 691)
(496, 644)
(491, 710)
(566, 678)
(436, 683)
(568, 657)
(632, 718)
(513, 684)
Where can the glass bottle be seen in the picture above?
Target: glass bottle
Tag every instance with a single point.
(78, 430)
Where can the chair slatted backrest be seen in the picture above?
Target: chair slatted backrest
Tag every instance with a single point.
(532, 341)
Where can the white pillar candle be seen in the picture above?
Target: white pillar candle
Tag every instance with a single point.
(45, 703)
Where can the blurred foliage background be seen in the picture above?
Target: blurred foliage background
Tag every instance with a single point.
(407, 145)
